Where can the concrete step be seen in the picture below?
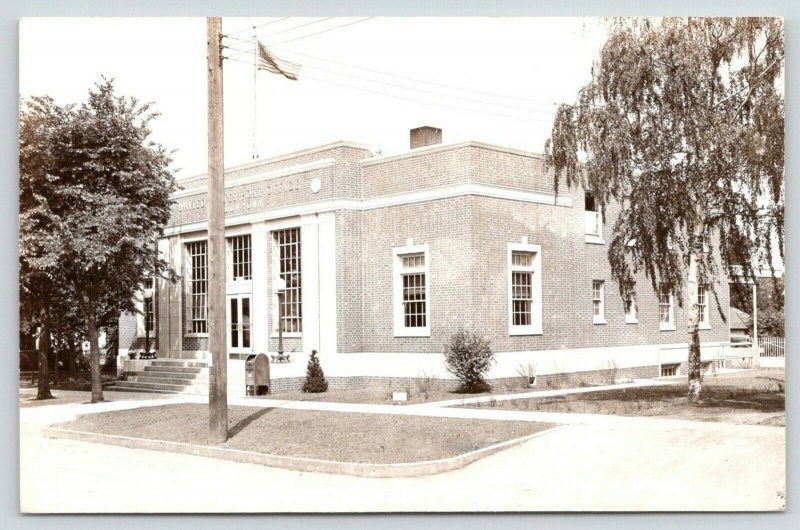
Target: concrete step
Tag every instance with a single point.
(169, 374)
(185, 363)
(175, 369)
(115, 388)
(166, 380)
(138, 386)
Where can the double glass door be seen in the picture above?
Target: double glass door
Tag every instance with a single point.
(239, 329)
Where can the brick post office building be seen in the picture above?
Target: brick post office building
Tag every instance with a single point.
(385, 257)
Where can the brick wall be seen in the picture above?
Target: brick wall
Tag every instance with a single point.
(444, 225)
(337, 150)
(468, 239)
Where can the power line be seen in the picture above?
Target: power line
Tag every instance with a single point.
(417, 100)
(443, 85)
(323, 31)
(254, 27)
(424, 91)
(414, 99)
(297, 27)
(304, 36)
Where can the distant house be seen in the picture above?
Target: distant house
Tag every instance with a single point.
(739, 326)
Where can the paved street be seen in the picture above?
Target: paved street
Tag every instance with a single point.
(608, 465)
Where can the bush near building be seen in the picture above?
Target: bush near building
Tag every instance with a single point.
(468, 357)
(315, 378)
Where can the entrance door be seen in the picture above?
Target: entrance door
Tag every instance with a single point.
(239, 336)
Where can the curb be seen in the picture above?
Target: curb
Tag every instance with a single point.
(311, 465)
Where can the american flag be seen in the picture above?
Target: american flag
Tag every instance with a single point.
(270, 63)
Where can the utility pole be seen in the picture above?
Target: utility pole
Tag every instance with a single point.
(756, 351)
(218, 381)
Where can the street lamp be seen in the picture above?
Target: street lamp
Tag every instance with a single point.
(280, 290)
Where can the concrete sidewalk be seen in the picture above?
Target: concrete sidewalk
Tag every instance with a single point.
(48, 415)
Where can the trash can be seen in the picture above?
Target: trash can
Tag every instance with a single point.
(256, 375)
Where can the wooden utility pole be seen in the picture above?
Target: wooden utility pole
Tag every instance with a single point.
(218, 381)
(756, 351)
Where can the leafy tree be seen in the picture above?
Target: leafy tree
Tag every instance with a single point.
(770, 300)
(96, 195)
(40, 285)
(682, 127)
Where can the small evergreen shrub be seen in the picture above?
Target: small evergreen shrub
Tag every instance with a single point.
(315, 378)
(468, 357)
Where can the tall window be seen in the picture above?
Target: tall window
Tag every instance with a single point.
(521, 288)
(598, 302)
(593, 219)
(702, 301)
(149, 306)
(240, 249)
(411, 315)
(665, 309)
(414, 299)
(524, 289)
(198, 286)
(287, 252)
(631, 311)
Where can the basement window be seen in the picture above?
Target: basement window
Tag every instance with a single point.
(669, 370)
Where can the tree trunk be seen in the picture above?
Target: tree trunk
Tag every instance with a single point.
(43, 391)
(94, 345)
(72, 358)
(694, 280)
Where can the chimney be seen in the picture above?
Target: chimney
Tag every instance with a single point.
(424, 136)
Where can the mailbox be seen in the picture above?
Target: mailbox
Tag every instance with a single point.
(256, 375)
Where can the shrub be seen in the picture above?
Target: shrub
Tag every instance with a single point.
(468, 357)
(315, 378)
(609, 375)
(424, 383)
(528, 373)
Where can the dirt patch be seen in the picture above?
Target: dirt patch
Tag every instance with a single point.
(745, 398)
(339, 436)
(383, 396)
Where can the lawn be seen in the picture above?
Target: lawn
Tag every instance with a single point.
(752, 397)
(339, 436)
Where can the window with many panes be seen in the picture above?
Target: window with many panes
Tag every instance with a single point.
(524, 288)
(286, 246)
(149, 305)
(414, 297)
(702, 302)
(598, 302)
(198, 286)
(241, 257)
(411, 294)
(521, 288)
(665, 309)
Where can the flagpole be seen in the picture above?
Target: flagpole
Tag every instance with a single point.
(255, 92)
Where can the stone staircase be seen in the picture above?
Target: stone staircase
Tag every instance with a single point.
(167, 376)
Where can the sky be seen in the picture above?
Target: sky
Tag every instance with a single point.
(368, 80)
